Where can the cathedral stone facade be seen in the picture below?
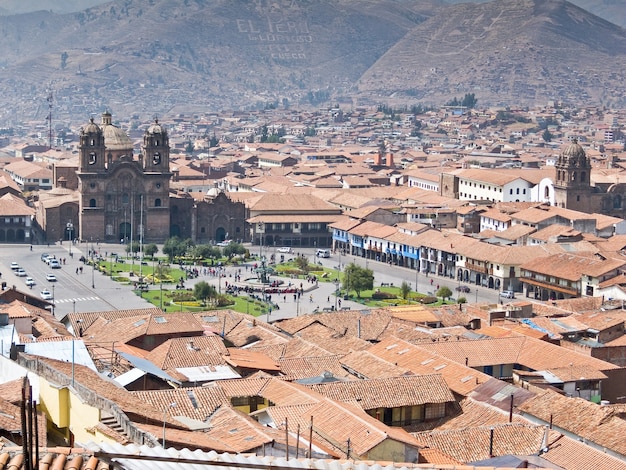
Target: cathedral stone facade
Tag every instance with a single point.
(123, 197)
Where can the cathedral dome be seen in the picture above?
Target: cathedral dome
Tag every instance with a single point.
(574, 150)
(116, 139)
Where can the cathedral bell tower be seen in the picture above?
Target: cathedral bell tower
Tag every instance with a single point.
(572, 188)
(92, 148)
(155, 163)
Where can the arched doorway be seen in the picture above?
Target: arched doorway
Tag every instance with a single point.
(125, 231)
(220, 234)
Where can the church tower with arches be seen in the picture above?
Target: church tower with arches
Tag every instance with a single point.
(572, 186)
(123, 197)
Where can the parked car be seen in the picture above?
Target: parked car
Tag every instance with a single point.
(44, 257)
(46, 295)
(284, 249)
(507, 294)
(463, 289)
(30, 282)
(15, 266)
(21, 272)
(54, 264)
(51, 278)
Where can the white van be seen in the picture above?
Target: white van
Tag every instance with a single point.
(322, 253)
(507, 294)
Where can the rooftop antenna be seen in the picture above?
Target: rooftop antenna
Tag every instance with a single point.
(49, 118)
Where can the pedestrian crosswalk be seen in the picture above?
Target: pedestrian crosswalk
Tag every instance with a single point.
(76, 299)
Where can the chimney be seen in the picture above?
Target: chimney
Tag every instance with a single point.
(390, 160)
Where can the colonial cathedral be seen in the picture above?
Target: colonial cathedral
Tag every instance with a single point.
(113, 195)
(121, 197)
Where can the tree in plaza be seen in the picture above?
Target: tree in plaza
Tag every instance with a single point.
(302, 262)
(206, 251)
(357, 279)
(150, 249)
(444, 292)
(203, 291)
(175, 247)
(132, 247)
(233, 249)
(405, 290)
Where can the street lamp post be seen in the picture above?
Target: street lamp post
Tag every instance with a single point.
(160, 286)
(417, 270)
(171, 405)
(336, 282)
(93, 270)
(53, 300)
(70, 229)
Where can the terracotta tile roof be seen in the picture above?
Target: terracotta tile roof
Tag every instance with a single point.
(601, 320)
(417, 314)
(330, 340)
(345, 223)
(11, 419)
(366, 365)
(389, 392)
(194, 402)
(575, 455)
(460, 379)
(337, 422)
(375, 229)
(572, 266)
(435, 456)
(367, 326)
(529, 352)
(599, 424)
(472, 444)
(188, 352)
(296, 203)
(305, 367)
(250, 330)
(228, 430)
(87, 318)
(495, 214)
(294, 348)
(477, 414)
(13, 206)
(245, 359)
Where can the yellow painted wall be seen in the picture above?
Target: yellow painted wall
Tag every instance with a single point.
(54, 402)
(69, 413)
(392, 451)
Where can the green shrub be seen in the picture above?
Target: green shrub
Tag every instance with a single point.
(429, 299)
(379, 295)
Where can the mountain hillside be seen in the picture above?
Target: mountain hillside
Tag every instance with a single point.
(158, 56)
(521, 52)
